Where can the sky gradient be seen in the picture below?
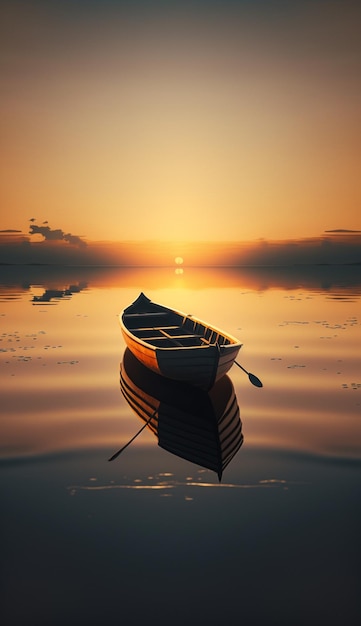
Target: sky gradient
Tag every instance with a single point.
(203, 121)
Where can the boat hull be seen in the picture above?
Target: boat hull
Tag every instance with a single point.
(177, 346)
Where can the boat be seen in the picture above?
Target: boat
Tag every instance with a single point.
(176, 345)
(203, 427)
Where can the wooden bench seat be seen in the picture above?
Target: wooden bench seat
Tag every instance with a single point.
(147, 314)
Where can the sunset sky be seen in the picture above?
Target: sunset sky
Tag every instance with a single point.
(190, 120)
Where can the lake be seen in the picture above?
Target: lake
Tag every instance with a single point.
(154, 537)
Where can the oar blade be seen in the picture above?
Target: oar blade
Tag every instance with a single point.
(255, 381)
(115, 455)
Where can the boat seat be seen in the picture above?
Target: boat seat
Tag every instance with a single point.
(183, 336)
(153, 339)
(147, 314)
(154, 328)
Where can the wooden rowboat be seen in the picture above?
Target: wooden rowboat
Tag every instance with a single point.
(176, 345)
(202, 427)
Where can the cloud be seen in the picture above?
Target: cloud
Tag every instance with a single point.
(74, 240)
(56, 234)
(342, 230)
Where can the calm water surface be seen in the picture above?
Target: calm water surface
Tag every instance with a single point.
(152, 536)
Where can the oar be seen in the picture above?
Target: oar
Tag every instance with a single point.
(132, 439)
(253, 379)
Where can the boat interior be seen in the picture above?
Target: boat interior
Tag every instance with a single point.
(168, 329)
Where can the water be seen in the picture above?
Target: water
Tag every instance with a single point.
(151, 536)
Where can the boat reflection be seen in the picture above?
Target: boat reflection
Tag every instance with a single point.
(202, 427)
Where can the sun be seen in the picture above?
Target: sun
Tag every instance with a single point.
(178, 260)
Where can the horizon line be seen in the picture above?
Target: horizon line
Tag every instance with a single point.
(172, 266)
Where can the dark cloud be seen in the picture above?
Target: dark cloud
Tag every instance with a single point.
(342, 230)
(56, 234)
(74, 240)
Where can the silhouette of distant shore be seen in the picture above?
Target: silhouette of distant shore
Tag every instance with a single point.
(335, 249)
